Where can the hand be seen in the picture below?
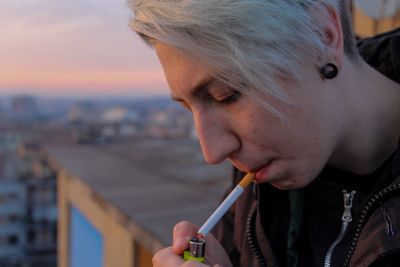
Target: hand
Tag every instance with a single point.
(183, 232)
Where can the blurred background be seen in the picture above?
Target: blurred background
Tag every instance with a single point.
(96, 163)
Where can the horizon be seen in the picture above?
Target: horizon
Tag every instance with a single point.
(82, 94)
(99, 97)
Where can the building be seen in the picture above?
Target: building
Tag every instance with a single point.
(40, 207)
(118, 203)
(12, 230)
(24, 107)
(12, 214)
(9, 140)
(28, 208)
(371, 17)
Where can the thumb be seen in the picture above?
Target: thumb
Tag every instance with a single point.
(182, 234)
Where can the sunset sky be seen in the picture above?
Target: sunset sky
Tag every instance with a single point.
(74, 48)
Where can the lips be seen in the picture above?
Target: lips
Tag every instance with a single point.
(263, 173)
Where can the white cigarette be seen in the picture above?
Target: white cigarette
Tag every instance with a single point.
(225, 205)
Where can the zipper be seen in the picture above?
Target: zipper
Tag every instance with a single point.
(365, 213)
(251, 237)
(346, 219)
(388, 223)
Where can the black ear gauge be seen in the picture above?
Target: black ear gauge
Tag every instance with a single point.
(328, 71)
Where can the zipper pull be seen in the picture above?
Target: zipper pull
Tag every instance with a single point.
(348, 204)
(346, 219)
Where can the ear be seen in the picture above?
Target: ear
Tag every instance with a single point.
(332, 36)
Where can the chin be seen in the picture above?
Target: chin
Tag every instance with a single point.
(284, 186)
(289, 184)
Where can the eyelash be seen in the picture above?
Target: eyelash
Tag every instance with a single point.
(231, 98)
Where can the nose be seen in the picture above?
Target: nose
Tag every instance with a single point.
(217, 139)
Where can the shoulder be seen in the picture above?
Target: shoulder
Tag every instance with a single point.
(395, 33)
(382, 52)
(379, 241)
(391, 260)
(379, 43)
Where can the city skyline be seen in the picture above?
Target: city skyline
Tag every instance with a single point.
(74, 48)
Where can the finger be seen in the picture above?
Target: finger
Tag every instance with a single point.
(216, 247)
(193, 263)
(182, 233)
(215, 253)
(166, 257)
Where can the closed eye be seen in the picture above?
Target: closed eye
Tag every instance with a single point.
(229, 97)
(221, 94)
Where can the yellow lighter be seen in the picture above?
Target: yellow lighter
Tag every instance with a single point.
(197, 248)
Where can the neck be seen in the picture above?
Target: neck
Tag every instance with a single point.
(370, 117)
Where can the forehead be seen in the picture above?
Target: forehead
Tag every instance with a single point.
(181, 70)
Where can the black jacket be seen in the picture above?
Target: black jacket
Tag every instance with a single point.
(270, 227)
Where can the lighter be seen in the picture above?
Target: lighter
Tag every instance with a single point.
(197, 248)
(197, 245)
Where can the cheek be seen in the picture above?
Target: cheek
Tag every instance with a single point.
(261, 129)
(299, 133)
(295, 136)
(306, 124)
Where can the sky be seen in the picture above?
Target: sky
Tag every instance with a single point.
(74, 48)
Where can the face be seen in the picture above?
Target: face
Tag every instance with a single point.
(287, 153)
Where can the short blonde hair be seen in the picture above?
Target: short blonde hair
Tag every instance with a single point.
(249, 43)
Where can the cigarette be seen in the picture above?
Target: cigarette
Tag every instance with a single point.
(225, 205)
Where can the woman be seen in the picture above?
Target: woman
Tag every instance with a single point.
(278, 88)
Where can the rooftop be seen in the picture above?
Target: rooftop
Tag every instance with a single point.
(154, 183)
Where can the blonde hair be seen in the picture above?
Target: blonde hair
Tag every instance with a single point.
(249, 43)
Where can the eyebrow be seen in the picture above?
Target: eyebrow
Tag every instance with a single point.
(199, 89)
